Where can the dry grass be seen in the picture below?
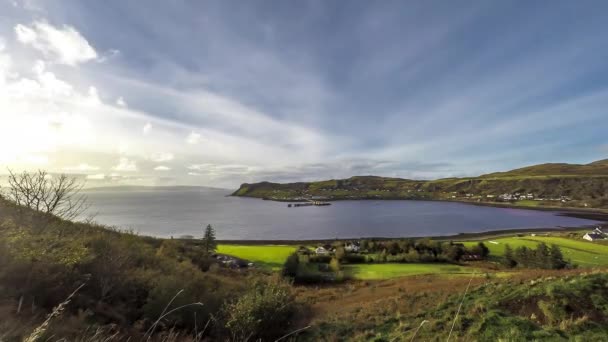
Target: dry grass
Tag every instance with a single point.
(362, 301)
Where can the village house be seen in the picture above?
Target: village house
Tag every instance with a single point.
(321, 251)
(352, 247)
(593, 236)
(596, 234)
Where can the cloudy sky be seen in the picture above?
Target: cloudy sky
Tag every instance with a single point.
(224, 92)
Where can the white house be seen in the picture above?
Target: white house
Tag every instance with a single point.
(351, 247)
(321, 251)
(593, 236)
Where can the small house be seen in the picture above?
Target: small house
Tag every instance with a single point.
(593, 236)
(321, 251)
(351, 247)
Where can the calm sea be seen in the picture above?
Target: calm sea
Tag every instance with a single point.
(185, 211)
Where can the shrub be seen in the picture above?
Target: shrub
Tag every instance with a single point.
(290, 268)
(321, 259)
(263, 312)
(354, 258)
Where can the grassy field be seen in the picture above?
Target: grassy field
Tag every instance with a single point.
(581, 252)
(387, 271)
(273, 257)
(268, 256)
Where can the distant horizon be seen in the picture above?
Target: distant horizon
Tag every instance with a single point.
(126, 185)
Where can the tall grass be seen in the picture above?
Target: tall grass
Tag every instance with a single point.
(57, 311)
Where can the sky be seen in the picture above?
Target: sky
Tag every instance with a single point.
(220, 93)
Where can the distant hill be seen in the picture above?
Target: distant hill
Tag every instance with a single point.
(144, 188)
(599, 167)
(544, 185)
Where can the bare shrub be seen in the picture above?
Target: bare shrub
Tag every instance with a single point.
(57, 195)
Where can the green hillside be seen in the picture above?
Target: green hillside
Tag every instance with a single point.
(545, 185)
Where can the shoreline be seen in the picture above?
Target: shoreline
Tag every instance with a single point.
(454, 237)
(596, 214)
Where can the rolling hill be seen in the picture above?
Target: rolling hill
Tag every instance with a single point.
(544, 185)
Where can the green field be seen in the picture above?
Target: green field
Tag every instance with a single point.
(581, 252)
(267, 256)
(386, 271)
(273, 257)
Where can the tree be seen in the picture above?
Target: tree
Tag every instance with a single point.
(209, 243)
(57, 195)
(542, 256)
(383, 256)
(509, 260)
(454, 252)
(481, 250)
(334, 264)
(557, 258)
(394, 248)
(340, 253)
(290, 267)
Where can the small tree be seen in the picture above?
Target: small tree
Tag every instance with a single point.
(557, 258)
(340, 253)
(481, 250)
(57, 195)
(209, 243)
(290, 267)
(334, 264)
(509, 260)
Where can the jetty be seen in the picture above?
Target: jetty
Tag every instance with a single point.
(308, 204)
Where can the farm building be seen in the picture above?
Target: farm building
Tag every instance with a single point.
(593, 236)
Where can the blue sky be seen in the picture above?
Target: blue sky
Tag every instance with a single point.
(224, 92)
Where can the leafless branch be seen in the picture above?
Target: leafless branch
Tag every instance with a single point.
(58, 195)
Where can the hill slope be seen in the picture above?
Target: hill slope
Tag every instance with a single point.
(552, 184)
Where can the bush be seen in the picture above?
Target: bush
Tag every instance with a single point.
(263, 312)
(354, 259)
(290, 268)
(321, 259)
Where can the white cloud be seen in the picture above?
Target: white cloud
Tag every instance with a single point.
(193, 138)
(124, 164)
(97, 176)
(93, 98)
(162, 157)
(25, 34)
(82, 167)
(147, 128)
(63, 45)
(194, 174)
(162, 168)
(121, 102)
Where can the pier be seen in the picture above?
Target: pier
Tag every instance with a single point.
(308, 204)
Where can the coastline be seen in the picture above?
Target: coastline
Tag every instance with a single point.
(596, 214)
(454, 237)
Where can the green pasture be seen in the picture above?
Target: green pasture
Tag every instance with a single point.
(387, 271)
(269, 256)
(581, 252)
